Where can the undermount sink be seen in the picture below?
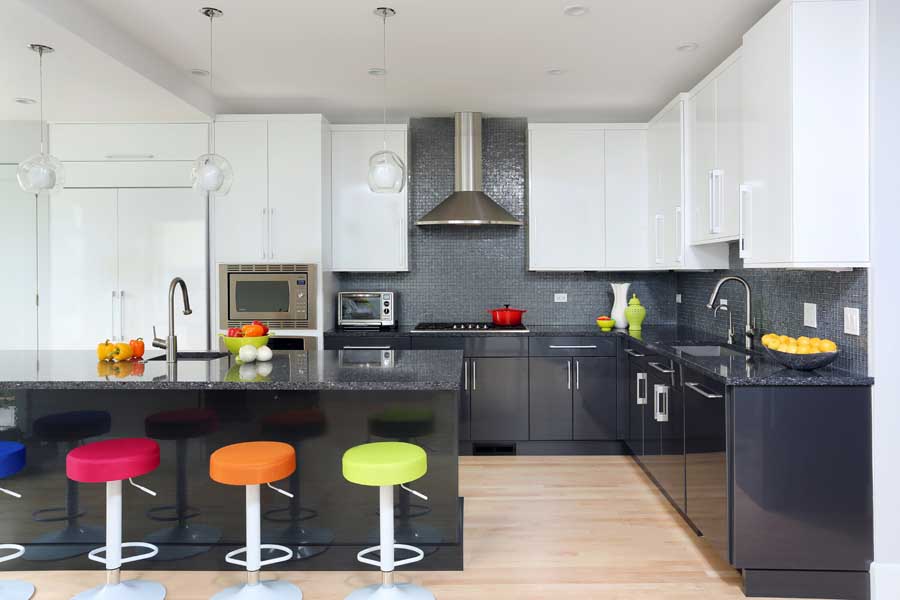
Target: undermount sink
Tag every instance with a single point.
(710, 351)
(191, 356)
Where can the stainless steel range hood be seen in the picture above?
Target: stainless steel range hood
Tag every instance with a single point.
(468, 205)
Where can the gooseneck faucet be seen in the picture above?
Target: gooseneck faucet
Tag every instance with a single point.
(170, 344)
(748, 329)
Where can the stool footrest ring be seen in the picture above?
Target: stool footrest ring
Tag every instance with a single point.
(94, 555)
(17, 551)
(419, 555)
(288, 555)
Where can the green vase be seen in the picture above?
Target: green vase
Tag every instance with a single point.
(635, 313)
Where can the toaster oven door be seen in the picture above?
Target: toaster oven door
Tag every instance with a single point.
(359, 309)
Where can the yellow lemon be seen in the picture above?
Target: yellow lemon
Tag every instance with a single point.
(790, 349)
(803, 340)
(814, 341)
(827, 346)
(784, 338)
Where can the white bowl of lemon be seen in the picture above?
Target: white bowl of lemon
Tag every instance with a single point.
(802, 353)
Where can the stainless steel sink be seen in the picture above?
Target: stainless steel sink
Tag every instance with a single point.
(710, 351)
(191, 356)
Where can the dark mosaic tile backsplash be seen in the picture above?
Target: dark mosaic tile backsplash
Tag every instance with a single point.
(458, 273)
(778, 297)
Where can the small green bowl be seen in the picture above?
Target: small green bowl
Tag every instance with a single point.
(606, 325)
(234, 344)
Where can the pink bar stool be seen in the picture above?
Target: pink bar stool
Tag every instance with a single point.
(112, 462)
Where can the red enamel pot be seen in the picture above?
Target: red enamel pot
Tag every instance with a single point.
(506, 316)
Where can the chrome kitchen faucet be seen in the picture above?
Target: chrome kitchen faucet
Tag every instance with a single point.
(170, 344)
(749, 332)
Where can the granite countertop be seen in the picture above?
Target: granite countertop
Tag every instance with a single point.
(760, 370)
(357, 370)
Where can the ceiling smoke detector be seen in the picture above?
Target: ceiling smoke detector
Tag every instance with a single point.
(556, 71)
(687, 46)
(25, 100)
(575, 10)
(376, 72)
(200, 72)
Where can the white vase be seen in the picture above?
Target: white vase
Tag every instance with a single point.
(620, 303)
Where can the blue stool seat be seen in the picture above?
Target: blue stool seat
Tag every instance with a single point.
(12, 458)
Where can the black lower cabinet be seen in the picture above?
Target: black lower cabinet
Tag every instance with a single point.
(637, 395)
(594, 398)
(706, 459)
(498, 398)
(550, 398)
(664, 432)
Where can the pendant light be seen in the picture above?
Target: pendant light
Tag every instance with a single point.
(387, 173)
(42, 172)
(212, 173)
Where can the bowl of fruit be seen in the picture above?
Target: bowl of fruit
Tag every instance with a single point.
(605, 323)
(255, 334)
(802, 353)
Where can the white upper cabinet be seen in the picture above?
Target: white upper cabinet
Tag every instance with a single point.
(128, 141)
(273, 211)
(715, 154)
(626, 199)
(805, 139)
(566, 197)
(668, 229)
(369, 231)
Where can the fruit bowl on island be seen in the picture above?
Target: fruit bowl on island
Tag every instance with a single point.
(234, 344)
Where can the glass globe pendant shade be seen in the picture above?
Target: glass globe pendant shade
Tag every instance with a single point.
(41, 173)
(387, 173)
(212, 173)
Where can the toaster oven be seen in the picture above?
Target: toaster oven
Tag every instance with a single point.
(367, 309)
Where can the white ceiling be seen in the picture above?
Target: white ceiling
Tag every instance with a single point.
(80, 81)
(620, 60)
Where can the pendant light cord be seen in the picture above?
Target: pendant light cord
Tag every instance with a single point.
(384, 76)
(213, 127)
(41, 93)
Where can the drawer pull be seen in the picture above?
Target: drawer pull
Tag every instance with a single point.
(631, 352)
(367, 347)
(641, 390)
(591, 347)
(661, 369)
(699, 389)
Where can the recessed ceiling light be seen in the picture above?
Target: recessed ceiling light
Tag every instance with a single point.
(376, 72)
(575, 10)
(555, 71)
(25, 100)
(687, 46)
(200, 72)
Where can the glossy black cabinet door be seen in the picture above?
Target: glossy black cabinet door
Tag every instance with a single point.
(637, 406)
(550, 398)
(706, 464)
(594, 398)
(498, 394)
(664, 431)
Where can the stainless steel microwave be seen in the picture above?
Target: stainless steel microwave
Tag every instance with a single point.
(281, 295)
(367, 309)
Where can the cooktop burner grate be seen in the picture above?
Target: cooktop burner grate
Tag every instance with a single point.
(473, 327)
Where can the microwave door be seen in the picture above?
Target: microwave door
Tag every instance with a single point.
(260, 297)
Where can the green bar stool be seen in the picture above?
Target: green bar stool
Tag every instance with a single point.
(384, 465)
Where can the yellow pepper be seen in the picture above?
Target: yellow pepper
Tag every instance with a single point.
(104, 369)
(122, 352)
(105, 350)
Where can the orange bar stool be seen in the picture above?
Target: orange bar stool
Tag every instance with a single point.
(252, 464)
(385, 465)
(112, 462)
(12, 460)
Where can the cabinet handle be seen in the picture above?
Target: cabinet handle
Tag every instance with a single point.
(709, 200)
(271, 237)
(661, 369)
(474, 382)
(577, 374)
(568, 374)
(744, 191)
(367, 348)
(112, 317)
(466, 375)
(122, 315)
(719, 180)
(641, 391)
(631, 352)
(591, 347)
(656, 394)
(699, 389)
(664, 404)
(129, 156)
(262, 234)
(679, 234)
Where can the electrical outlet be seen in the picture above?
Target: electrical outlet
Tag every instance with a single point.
(851, 321)
(560, 297)
(677, 298)
(809, 314)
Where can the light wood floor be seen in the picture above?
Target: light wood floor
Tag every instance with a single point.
(536, 528)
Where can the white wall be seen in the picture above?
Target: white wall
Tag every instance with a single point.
(884, 290)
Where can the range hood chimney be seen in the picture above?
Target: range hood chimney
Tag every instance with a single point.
(468, 205)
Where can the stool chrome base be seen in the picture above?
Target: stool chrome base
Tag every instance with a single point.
(136, 589)
(264, 590)
(183, 541)
(398, 591)
(16, 590)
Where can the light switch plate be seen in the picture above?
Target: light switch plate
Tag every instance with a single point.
(851, 321)
(677, 298)
(809, 315)
(560, 297)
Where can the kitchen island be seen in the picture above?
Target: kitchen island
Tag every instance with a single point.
(322, 403)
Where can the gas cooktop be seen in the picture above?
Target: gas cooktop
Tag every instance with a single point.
(467, 327)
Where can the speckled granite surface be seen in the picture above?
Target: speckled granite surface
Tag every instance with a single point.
(360, 370)
(731, 369)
